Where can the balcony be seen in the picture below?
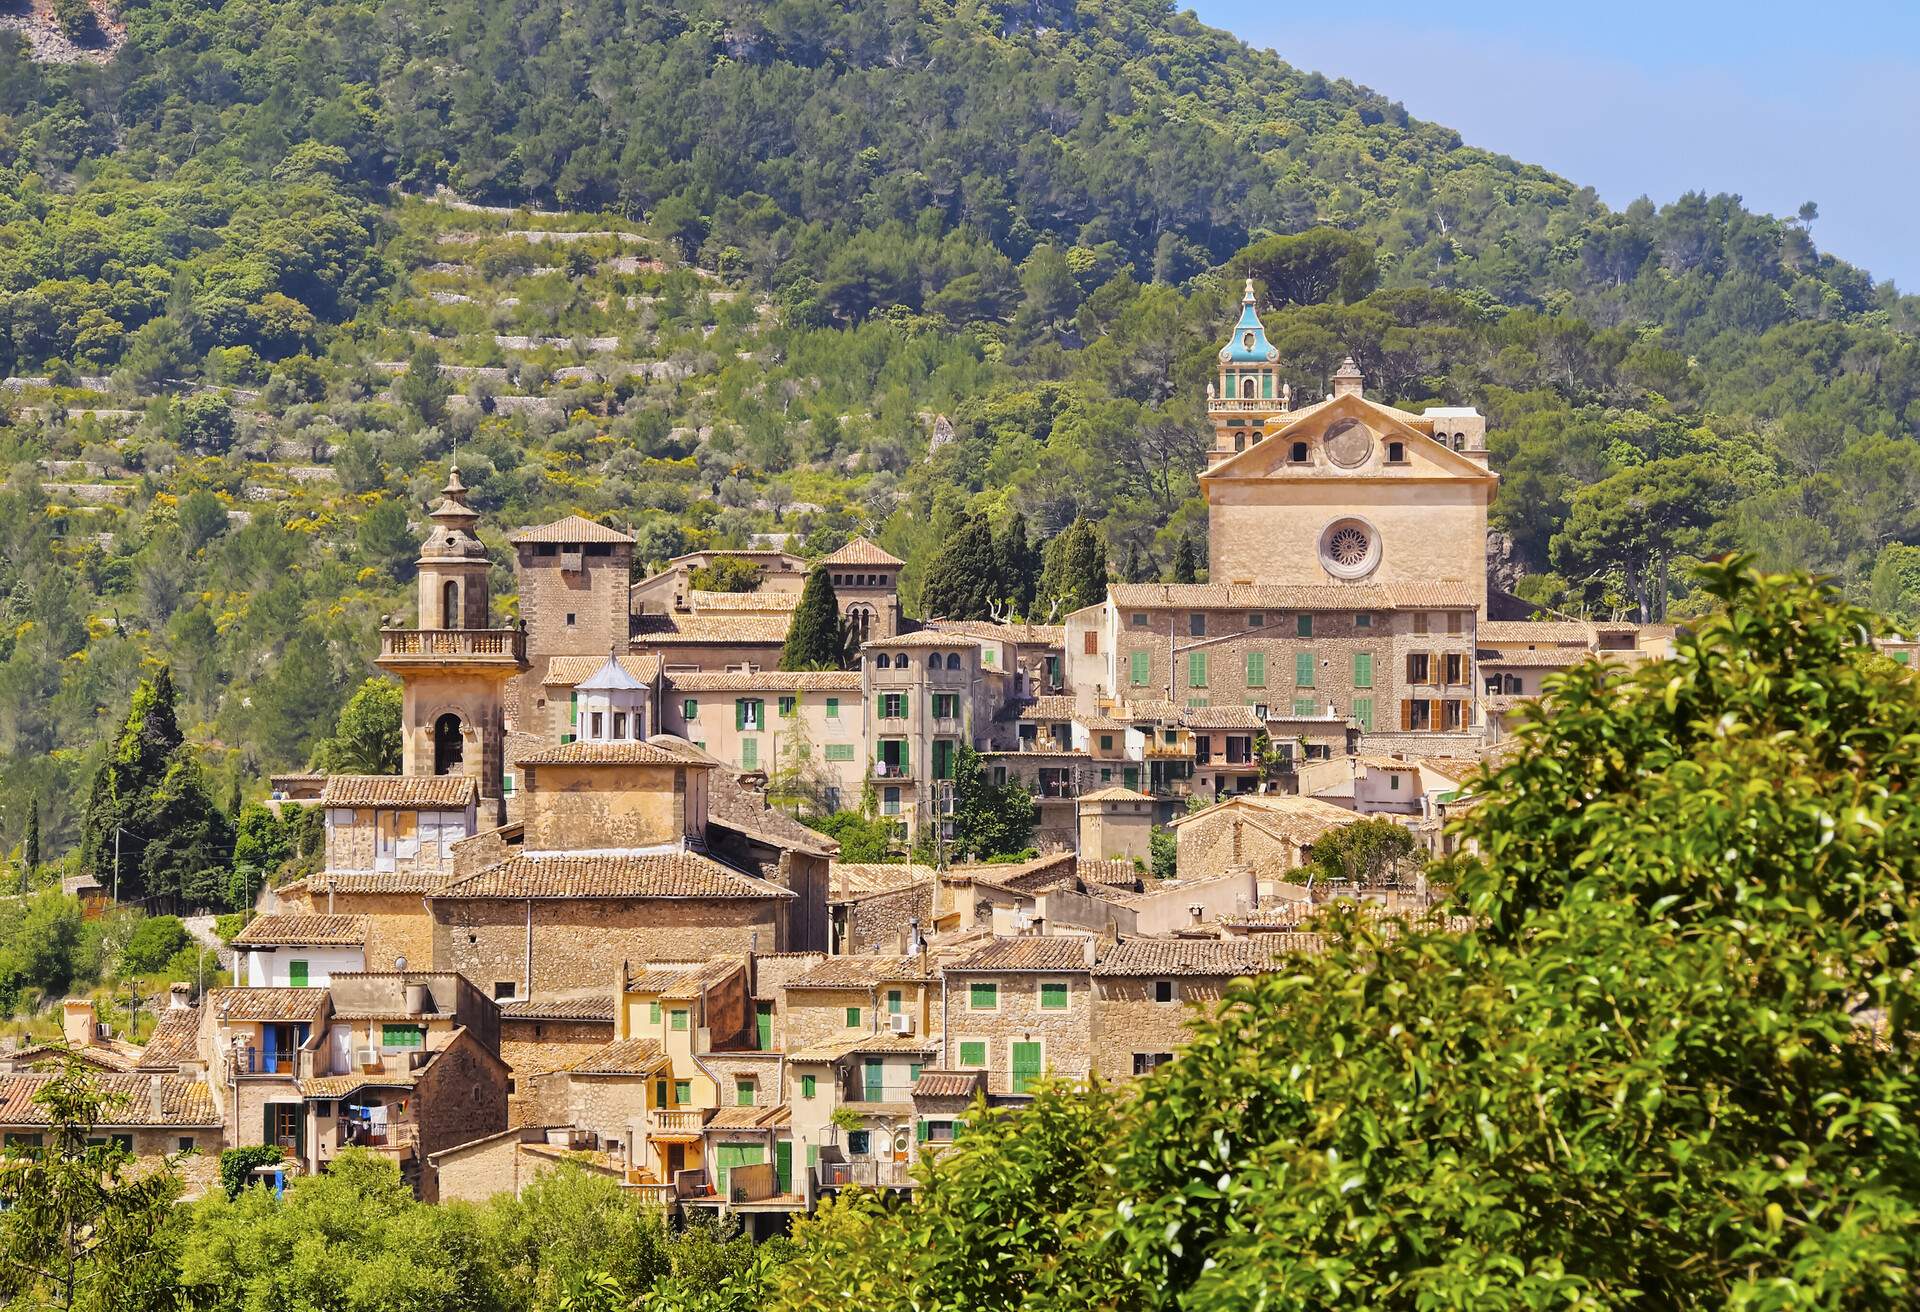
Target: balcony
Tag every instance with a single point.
(1157, 750)
(892, 771)
(1237, 405)
(675, 1122)
(867, 1173)
(482, 646)
(895, 1092)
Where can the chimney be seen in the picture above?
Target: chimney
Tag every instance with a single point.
(78, 1023)
(1198, 912)
(179, 995)
(157, 1100)
(1348, 380)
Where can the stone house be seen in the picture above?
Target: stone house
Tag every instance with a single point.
(869, 1080)
(1269, 833)
(805, 728)
(149, 1114)
(940, 1100)
(1148, 992)
(1366, 785)
(298, 951)
(1116, 824)
(928, 694)
(669, 589)
(1019, 1009)
(880, 908)
(397, 824)
(541, 1036)
(842, 998)
(866, 582)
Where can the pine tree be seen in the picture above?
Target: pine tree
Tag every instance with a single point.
(123, 787)
(192, 842)
(1016, 566)
(816, 640)
(1186, 564)
(961, 581)
(366, 737)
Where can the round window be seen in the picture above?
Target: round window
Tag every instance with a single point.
(1349, 548)
(1348, 443)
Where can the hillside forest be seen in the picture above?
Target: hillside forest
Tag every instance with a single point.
(728, 274)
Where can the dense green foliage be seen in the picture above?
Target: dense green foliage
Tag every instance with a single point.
(863, 267)
(1672, 1064)
(1363, 853)
(366, 739)
(989, 819)
(816, 640)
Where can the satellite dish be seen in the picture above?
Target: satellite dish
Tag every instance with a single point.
(399, 963)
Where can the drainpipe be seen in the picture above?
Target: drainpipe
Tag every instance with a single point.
(529, 969)
(946, 1030)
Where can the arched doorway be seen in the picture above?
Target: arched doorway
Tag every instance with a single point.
(448, 748)
(450, 605)
(1246, 388)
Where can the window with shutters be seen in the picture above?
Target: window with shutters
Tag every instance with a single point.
(1303, 666)
(743, 1091)
(1363, 712)
(786, 708)
(1452, 714)
(1053, 995)
(893, 706)
(677, 1020)
(1140, 666)
(1305, 707)
(853, 1018)
(749, 753)
(1197, 669)
(983, 996)
(1419, 667)
(653, 1013)
(1416, 715)
(402, 1036)
(809, 1085)
(690, 709)
(946, 706)
(1455, 621)
(1363, 669)
(1419, 621)
(839, 751)
(1455, 667)
(833, 708)
(1026, 1060)
(1090, 643)
(1196, 625)
(1256, 669)
(973, 1053)
(682, 1092)
(749, 714)
(297, 974)
(1303, 625)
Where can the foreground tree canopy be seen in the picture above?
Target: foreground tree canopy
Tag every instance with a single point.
(1671, 1065)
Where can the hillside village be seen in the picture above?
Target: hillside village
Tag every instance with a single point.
(577, 925)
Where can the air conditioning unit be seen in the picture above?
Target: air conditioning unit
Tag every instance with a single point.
(900, 1022)
(364, 1057)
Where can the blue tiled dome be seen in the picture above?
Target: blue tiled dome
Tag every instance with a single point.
(1249, 344)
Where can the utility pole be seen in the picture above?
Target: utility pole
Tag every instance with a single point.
(133, 1009)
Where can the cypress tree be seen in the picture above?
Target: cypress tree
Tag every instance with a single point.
(124, 785)
(1076, 571)
(1186, 564)
(961, 581)
(816, 640)
(1016, 567)
(30, 849)
(187, 857)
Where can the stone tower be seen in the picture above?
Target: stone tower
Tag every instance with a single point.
(1247, 392)
(453, 667)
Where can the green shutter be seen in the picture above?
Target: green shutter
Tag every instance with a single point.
(653, 1013)
(873, 1085)
(853, 1018)
(297, 974)
(743, 1093)
(783, 1165)
(763, 1025)
(1053, 997)
(833, 708)
(839, 751)
(896, 1002)
(690, 708)
(749, 753)
(1197, 669)
(809, 1085)
(1363, 669)
(573, 710)
(984, 996)
(1303, 626)
(1026, 1066)
(880, 706)
(1303, 669)
(1363, 712)
(786, 708)
(678, 1017)
(1256, 669)
(1142, 664)
(973, 1052)
(920, 1131)
(739, 714)
(1304, 706)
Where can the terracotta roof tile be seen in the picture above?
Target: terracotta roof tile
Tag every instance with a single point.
(598, 1007)
(923, 638)
(1108, 873)
(565, 671)
(243, 1004)
(735, 806)
(1051, 708)
(1116, 793)
(701, 600)
(949, 1084)
(681, 979)
(623, 1057)
(860, 972)
(861, 551)
(693, 630)
(1187, 956)
(414, 792)
(1049, 635)
(1301, 819)
(339, 1086)
(604, 753)
(175, 1039)
(869, 1044)
(749, 1118)
(573, 528)
(774, 681)
(416, 882)
(1271, 596)
(1544, 658)
(1019, 954)
(1525, 632)
(136, 1100)
(847, 880)
(664, 875)
(303, 931)
(1221, 717)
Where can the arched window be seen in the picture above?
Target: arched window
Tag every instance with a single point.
(1246, 388)
(953, 660)
(1459, 441)
(900, 660)
(881, 662)
(448, 749)
(450, 605)
(1239, 441)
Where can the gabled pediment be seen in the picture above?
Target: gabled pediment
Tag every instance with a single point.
(1360, 430)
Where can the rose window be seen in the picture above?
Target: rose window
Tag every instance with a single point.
(1348, 546)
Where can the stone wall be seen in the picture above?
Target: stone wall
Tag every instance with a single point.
(1126, 1019)
(1207, 846)
(574, 939)
(533, 1047)
(573, 807)
(762, 1069)
(461, 1095)
(483, 1169)
(878, 924)
(1065, 1036)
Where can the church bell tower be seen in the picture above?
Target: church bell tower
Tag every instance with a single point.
(455, 668)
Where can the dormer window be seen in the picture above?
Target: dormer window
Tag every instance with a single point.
(1396, 453)
(1298, 453)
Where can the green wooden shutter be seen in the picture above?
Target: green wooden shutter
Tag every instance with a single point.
(1304, 706)
(872, 1080)
(653, 1013)
(853, 1018)
(1053, 997)
(1363, 712)
(739, 713)
(1303, 626)
(1303, 669)
(1363, 669)
(809, 1085)
(984, 996)
(1197, 669)
(297, 974)
(1026, 1066)
(763, 1025)
(1141, 663)
(783, 1165)
(973, 1052)
(743, 1093)
(573, 710)
(833, 708)
(920, 1131)
(690, 708)
(1256, 669)
(749, 753)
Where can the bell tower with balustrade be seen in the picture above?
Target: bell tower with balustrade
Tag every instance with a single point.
(455, 668)
(1247, 392)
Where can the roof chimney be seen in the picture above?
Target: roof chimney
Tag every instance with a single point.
(156, 1097)
(179, 995)
(79, 1024)
(1348, 380)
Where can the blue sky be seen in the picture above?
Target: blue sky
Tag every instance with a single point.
(1778, 103)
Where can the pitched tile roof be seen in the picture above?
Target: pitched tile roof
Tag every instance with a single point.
(735, 806)
(623, 1057)
(1271, 596)
(1221, 717)
(1545, 658)
(102, 1054)
(340, 1086)
(573, 528)
(303, 931)
(860, 972)
(1522, 632)
(243, 1004)
(1054, 708)
(681, 979)
(1116, 793)
(861, 551)
(1017, 954)
(565, 671)
(775, 681)
(920, 638)
(949, 1084)
(414, 881)
(414, 792)
(1108, 872)
(1301, 819)
(605, 753)
(175, 1039)
(694, 630)
(135, 1100)
(703, 599)
(1049, 635)
(847, 880)
(867, 1044)
(1202, 956)
(597, 1008)
(749, 1118)
(662, 875)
